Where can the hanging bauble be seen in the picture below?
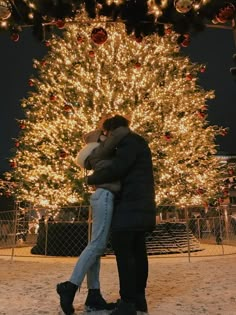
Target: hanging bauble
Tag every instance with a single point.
(79, 39)
(17, 144)
(47, 43)
(99, 35)
(15, 37)
(227, 13)
(189, 77)
(168, 135)
(223, 132)
(183, 6)
(52, 97)
(22, 125)
(68, 108)
(139, 39)
(13, 163)
(203, 69)
(60, 24)
(5, 10)
(185, 42)
(168, 31)
(201, 114)
(91, 53)
(63, 154)
(200, 191)
(31, 82)
(137, 65)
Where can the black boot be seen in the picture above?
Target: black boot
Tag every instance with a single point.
(95, 301)
(124, 308)
(141, 303)
(66, 291)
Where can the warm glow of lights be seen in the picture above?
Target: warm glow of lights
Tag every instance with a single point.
(117, 2)
(79, 82)
(4, 24)
(154, 9)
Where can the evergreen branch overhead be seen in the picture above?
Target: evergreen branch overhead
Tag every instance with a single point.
(142, 17)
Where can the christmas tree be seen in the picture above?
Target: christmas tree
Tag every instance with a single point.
(95, 70)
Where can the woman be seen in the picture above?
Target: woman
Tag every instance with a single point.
(95, 155)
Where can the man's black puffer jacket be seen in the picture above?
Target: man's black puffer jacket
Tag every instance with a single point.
(132, 164)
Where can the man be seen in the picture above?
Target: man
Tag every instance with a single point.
(134, 213)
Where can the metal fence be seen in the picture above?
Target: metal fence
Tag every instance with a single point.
(186, 232)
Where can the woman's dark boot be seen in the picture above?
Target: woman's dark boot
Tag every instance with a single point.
(95, 301)
(66, 291)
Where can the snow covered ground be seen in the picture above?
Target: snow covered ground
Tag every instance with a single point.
(205, 285)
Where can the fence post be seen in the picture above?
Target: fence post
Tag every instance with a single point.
(221, 232)
(14, 233)
(187, 228)
(46, 237)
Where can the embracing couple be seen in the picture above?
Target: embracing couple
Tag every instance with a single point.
(123, 203)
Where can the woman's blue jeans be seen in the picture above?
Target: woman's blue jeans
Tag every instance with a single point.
(88, 263)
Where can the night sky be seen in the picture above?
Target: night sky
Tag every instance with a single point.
(214, 47)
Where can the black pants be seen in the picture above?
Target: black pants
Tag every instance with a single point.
(132, 263)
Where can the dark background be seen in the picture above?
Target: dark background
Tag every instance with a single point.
(214, 47)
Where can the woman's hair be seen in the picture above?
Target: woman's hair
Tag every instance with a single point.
(115, 122)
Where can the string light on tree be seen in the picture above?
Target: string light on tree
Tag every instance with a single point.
(82, 82)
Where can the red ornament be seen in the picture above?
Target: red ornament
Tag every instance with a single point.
(60, 24)
(99, 35)
(185, 42)
(31, 82)
(68, 108)
(223, 132)
(139, 39)
(17, 144)
(13, 164)
(91, 54)
(22, 125)
(43, 63)
(189, 77)
(47, 43)
(79, 39)
(203, 69)
(200, 191)
(137, 65)
(15, 37)
(168, 31)
(201, 114)
(52, 97)
(63, 154)
(226, 13)
(167, 135)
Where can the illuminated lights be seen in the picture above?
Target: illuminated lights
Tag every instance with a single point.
(144, 80)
